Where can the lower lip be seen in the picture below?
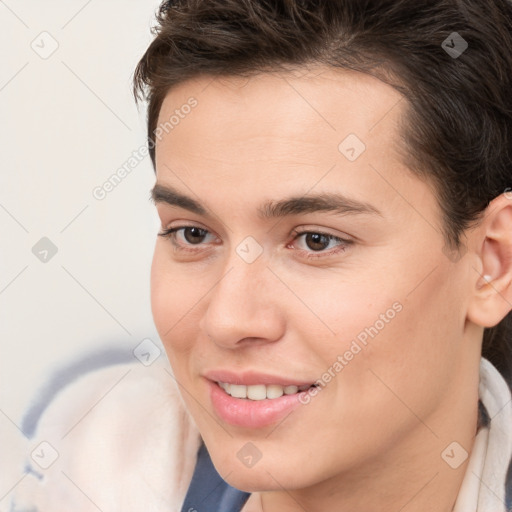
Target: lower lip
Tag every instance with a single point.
(247, 413)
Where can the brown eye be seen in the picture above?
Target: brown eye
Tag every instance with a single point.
(317, 241)
(315, 244)
(183, 236)
(194, 235)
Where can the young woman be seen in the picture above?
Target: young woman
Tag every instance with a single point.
(332, 281)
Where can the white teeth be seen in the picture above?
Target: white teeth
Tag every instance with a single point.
(260, 391)
(274, 391)
(237, 391)
(225, 386)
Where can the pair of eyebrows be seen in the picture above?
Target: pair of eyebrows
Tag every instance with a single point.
(336, 203)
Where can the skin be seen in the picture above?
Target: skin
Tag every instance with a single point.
(372, 438)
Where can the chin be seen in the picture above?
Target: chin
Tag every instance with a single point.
(251, 480)
(264, 475)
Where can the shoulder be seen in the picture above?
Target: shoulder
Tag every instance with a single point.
(116, 437)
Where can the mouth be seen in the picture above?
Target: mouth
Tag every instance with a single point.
(259, 392)
(255, 406)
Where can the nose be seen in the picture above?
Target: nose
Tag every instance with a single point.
(244, 308)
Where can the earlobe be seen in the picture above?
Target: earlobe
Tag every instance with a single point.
(492, 291)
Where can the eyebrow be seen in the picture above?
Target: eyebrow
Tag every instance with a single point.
(324, 202)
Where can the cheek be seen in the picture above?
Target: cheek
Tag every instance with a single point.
(406, 360)
(387, 341)
(345, 315)
(172, 301)
(161, 294)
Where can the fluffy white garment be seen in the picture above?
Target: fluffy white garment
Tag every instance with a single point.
(124, 440)
(484, 484)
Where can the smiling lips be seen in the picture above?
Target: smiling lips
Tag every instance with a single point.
(253, 400)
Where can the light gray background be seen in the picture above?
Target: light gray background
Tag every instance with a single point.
(68, 121)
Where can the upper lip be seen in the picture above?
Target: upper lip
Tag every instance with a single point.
(251, 378)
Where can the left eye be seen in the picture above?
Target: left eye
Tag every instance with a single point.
(318, 242)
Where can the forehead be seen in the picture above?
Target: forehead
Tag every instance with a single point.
(301, 108)
(301, 121)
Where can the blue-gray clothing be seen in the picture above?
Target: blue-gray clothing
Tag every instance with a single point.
(208, 492)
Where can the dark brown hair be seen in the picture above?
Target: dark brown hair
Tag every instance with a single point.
(458, 126)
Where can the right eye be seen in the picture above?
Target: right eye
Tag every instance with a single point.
(183, 236)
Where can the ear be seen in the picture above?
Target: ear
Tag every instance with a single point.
(492, 284)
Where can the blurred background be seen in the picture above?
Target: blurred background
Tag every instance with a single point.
(75, 254)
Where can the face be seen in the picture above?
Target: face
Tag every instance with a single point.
(302, 254)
